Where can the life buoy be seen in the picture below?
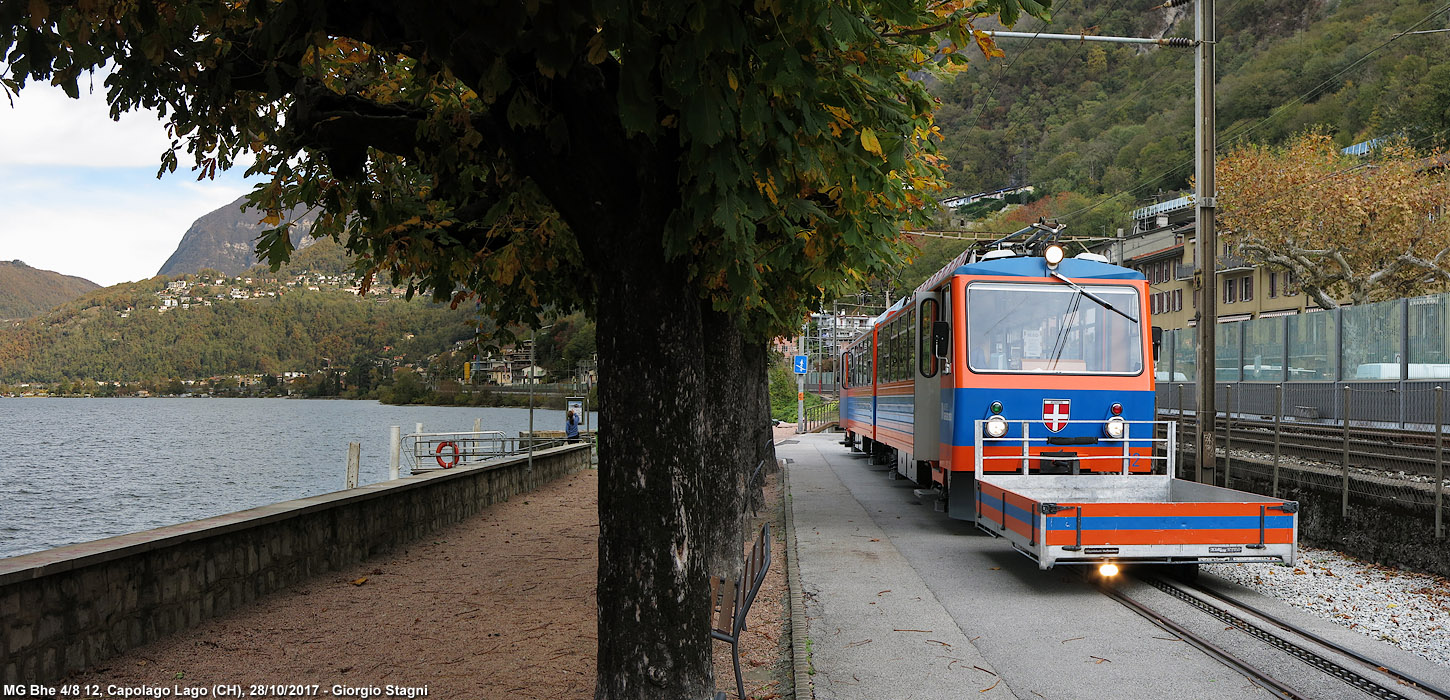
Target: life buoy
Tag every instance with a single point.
(438, 454)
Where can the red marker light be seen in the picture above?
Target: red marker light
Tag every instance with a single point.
(1117, 409)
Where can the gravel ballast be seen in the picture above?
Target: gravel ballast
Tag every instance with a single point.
(1409, 610)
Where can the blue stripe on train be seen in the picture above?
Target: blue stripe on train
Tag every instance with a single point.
(1176, 522)
(971, 404)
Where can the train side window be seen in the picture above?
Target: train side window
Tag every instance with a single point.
(926, 357)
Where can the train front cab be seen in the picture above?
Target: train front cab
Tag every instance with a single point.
(1030, 350)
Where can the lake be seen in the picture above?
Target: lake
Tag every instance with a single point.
(75, 470)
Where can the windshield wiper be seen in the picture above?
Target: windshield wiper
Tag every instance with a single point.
(1101, 302)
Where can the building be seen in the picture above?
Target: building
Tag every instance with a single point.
(1163, 246)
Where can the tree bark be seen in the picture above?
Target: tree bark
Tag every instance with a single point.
(727, 457)
(653, 594)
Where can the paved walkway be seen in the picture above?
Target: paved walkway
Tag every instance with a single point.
(904, 602)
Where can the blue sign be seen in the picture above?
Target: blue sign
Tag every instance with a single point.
(801, 363)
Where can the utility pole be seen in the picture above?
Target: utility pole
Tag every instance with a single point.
(1204, 194)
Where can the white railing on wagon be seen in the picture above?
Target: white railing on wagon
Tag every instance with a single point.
(1127, 441)
(432, 451)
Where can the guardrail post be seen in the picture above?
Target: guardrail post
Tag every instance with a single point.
(1228, 432)
(395, 446)
(1278, 423)
(1439, 464)
(354, 460)
(1179, 426)
(1344, 484)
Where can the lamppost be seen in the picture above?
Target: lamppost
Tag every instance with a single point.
(533, 378)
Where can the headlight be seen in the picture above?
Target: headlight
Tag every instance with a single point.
(996, 426)
(1054, 255)
(1115, 427)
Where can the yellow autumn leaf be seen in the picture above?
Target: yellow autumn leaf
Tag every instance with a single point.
(869, 142)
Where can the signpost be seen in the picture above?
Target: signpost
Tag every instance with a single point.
(802, 364)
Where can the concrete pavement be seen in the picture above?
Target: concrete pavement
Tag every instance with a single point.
(903, 602)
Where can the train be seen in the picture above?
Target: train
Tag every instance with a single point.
(1016, 388)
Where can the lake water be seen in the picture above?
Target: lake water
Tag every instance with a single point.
(75, 470)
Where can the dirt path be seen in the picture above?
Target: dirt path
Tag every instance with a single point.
(501, 606)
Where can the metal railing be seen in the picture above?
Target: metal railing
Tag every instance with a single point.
(428, 452)
(1024, 438)
(818, 417)
(1337, 430)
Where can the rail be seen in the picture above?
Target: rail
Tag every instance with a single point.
(428, 452)
(1127, 442)
(821, 417)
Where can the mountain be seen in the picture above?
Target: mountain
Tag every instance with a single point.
(1113, 120)
(225, 240)
(26, 291)
(304, 317)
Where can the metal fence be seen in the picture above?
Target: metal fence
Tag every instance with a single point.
(1335, 430)
(1396, 340)
(818, 417)
(427, 452)
(1408, 405)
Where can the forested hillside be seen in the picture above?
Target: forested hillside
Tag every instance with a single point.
(26, 291)
(301, 318)
(1111, 120)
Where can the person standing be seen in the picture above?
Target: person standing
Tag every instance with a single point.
(571, 426)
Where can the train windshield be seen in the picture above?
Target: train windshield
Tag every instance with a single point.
(1052, 329)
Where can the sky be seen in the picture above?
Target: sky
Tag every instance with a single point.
(79, 194)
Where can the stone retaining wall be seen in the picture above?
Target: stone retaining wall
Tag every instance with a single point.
(71, 607)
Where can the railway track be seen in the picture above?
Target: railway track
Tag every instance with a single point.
(1402, 450)
(1358, 671)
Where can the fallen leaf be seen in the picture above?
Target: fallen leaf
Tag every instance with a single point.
(360, 581)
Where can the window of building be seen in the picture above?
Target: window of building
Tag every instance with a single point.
(1246, 288)
(1230, 291)
(1273, 284)
(1178, 300)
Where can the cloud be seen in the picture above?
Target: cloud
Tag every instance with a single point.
(45, 127)
(80, 194)
(106, 225)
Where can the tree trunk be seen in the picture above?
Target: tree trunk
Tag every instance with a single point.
(727, 453)
(756, 360)
(653, 593)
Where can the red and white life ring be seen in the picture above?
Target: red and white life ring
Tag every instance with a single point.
(438, 454)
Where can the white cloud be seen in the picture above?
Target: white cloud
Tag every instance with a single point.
(108, 234)
(79, 193)
(45, 127)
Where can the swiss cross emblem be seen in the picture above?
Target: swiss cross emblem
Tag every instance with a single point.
(1054, 413)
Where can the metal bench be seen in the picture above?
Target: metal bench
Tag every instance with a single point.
(730, 601)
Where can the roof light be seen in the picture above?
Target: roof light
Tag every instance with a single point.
(1054, 255)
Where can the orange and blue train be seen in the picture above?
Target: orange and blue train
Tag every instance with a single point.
(1001, 342)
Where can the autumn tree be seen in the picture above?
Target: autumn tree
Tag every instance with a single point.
(692, 173)
(1364, 228)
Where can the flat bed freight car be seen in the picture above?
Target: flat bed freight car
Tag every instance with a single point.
(1132, 517)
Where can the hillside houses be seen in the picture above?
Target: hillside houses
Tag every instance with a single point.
(188, 292)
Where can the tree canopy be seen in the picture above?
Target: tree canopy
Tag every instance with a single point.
(691, 173)
(1346, 226)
